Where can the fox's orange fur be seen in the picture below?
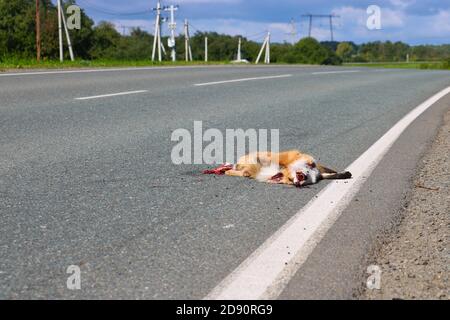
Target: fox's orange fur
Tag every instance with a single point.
(291, 167)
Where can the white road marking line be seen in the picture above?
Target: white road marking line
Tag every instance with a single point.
(386, 70)
(335, 72)
(34, 73)
(267, 271)
(242, 80)
(17, 74)
(112, 95)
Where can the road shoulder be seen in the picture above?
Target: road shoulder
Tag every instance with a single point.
(414, 259)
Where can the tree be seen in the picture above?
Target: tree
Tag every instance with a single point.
(345, 50)
(17, 28)
(310, 51)
(106, 41)
(136, 46)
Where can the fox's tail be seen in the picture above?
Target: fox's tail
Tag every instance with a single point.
(336, 176)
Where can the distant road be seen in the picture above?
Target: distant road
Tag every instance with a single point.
(86, 176)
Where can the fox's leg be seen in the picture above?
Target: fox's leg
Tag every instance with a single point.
(240, 173)
(234, 173)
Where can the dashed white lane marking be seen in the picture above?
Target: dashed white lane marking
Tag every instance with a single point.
(266, 272)
(335, 72)
(242, 80)
(112, 95)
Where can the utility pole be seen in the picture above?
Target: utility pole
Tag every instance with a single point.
(187, 42)
(206, 49)
(172, 28)
(38, 32)
(61, 22)
(267, 57)
(69, 43)
(157, 34)
(321, 16)
(61, 53)
(239, 57)
(265, 47)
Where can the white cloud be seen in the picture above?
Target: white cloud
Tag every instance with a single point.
(402, 20)
(403, 4)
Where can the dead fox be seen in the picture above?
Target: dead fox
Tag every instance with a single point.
(291, 167)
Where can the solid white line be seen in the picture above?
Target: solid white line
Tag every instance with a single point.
(335, 72)
(242, 80)
(112, 95)
(17, 74)
(267, 271)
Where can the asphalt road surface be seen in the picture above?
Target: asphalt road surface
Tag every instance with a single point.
(86, 176)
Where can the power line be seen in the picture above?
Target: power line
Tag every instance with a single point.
(257, 36)
(89, 5)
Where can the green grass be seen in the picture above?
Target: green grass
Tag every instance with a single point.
(11, 64)
(434, 65)
(16, 63)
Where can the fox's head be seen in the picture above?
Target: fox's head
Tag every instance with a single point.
(303, 173)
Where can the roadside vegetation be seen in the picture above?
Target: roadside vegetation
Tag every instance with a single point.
(432, 65)
(29, 63)
(101, 45)
(394, 55)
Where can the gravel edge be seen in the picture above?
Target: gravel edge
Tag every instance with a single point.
(414, 258)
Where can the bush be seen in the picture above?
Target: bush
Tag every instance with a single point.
(358, 59)
(333, 59)
(309, 51)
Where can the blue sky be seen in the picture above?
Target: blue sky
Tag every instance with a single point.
(411, 21)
